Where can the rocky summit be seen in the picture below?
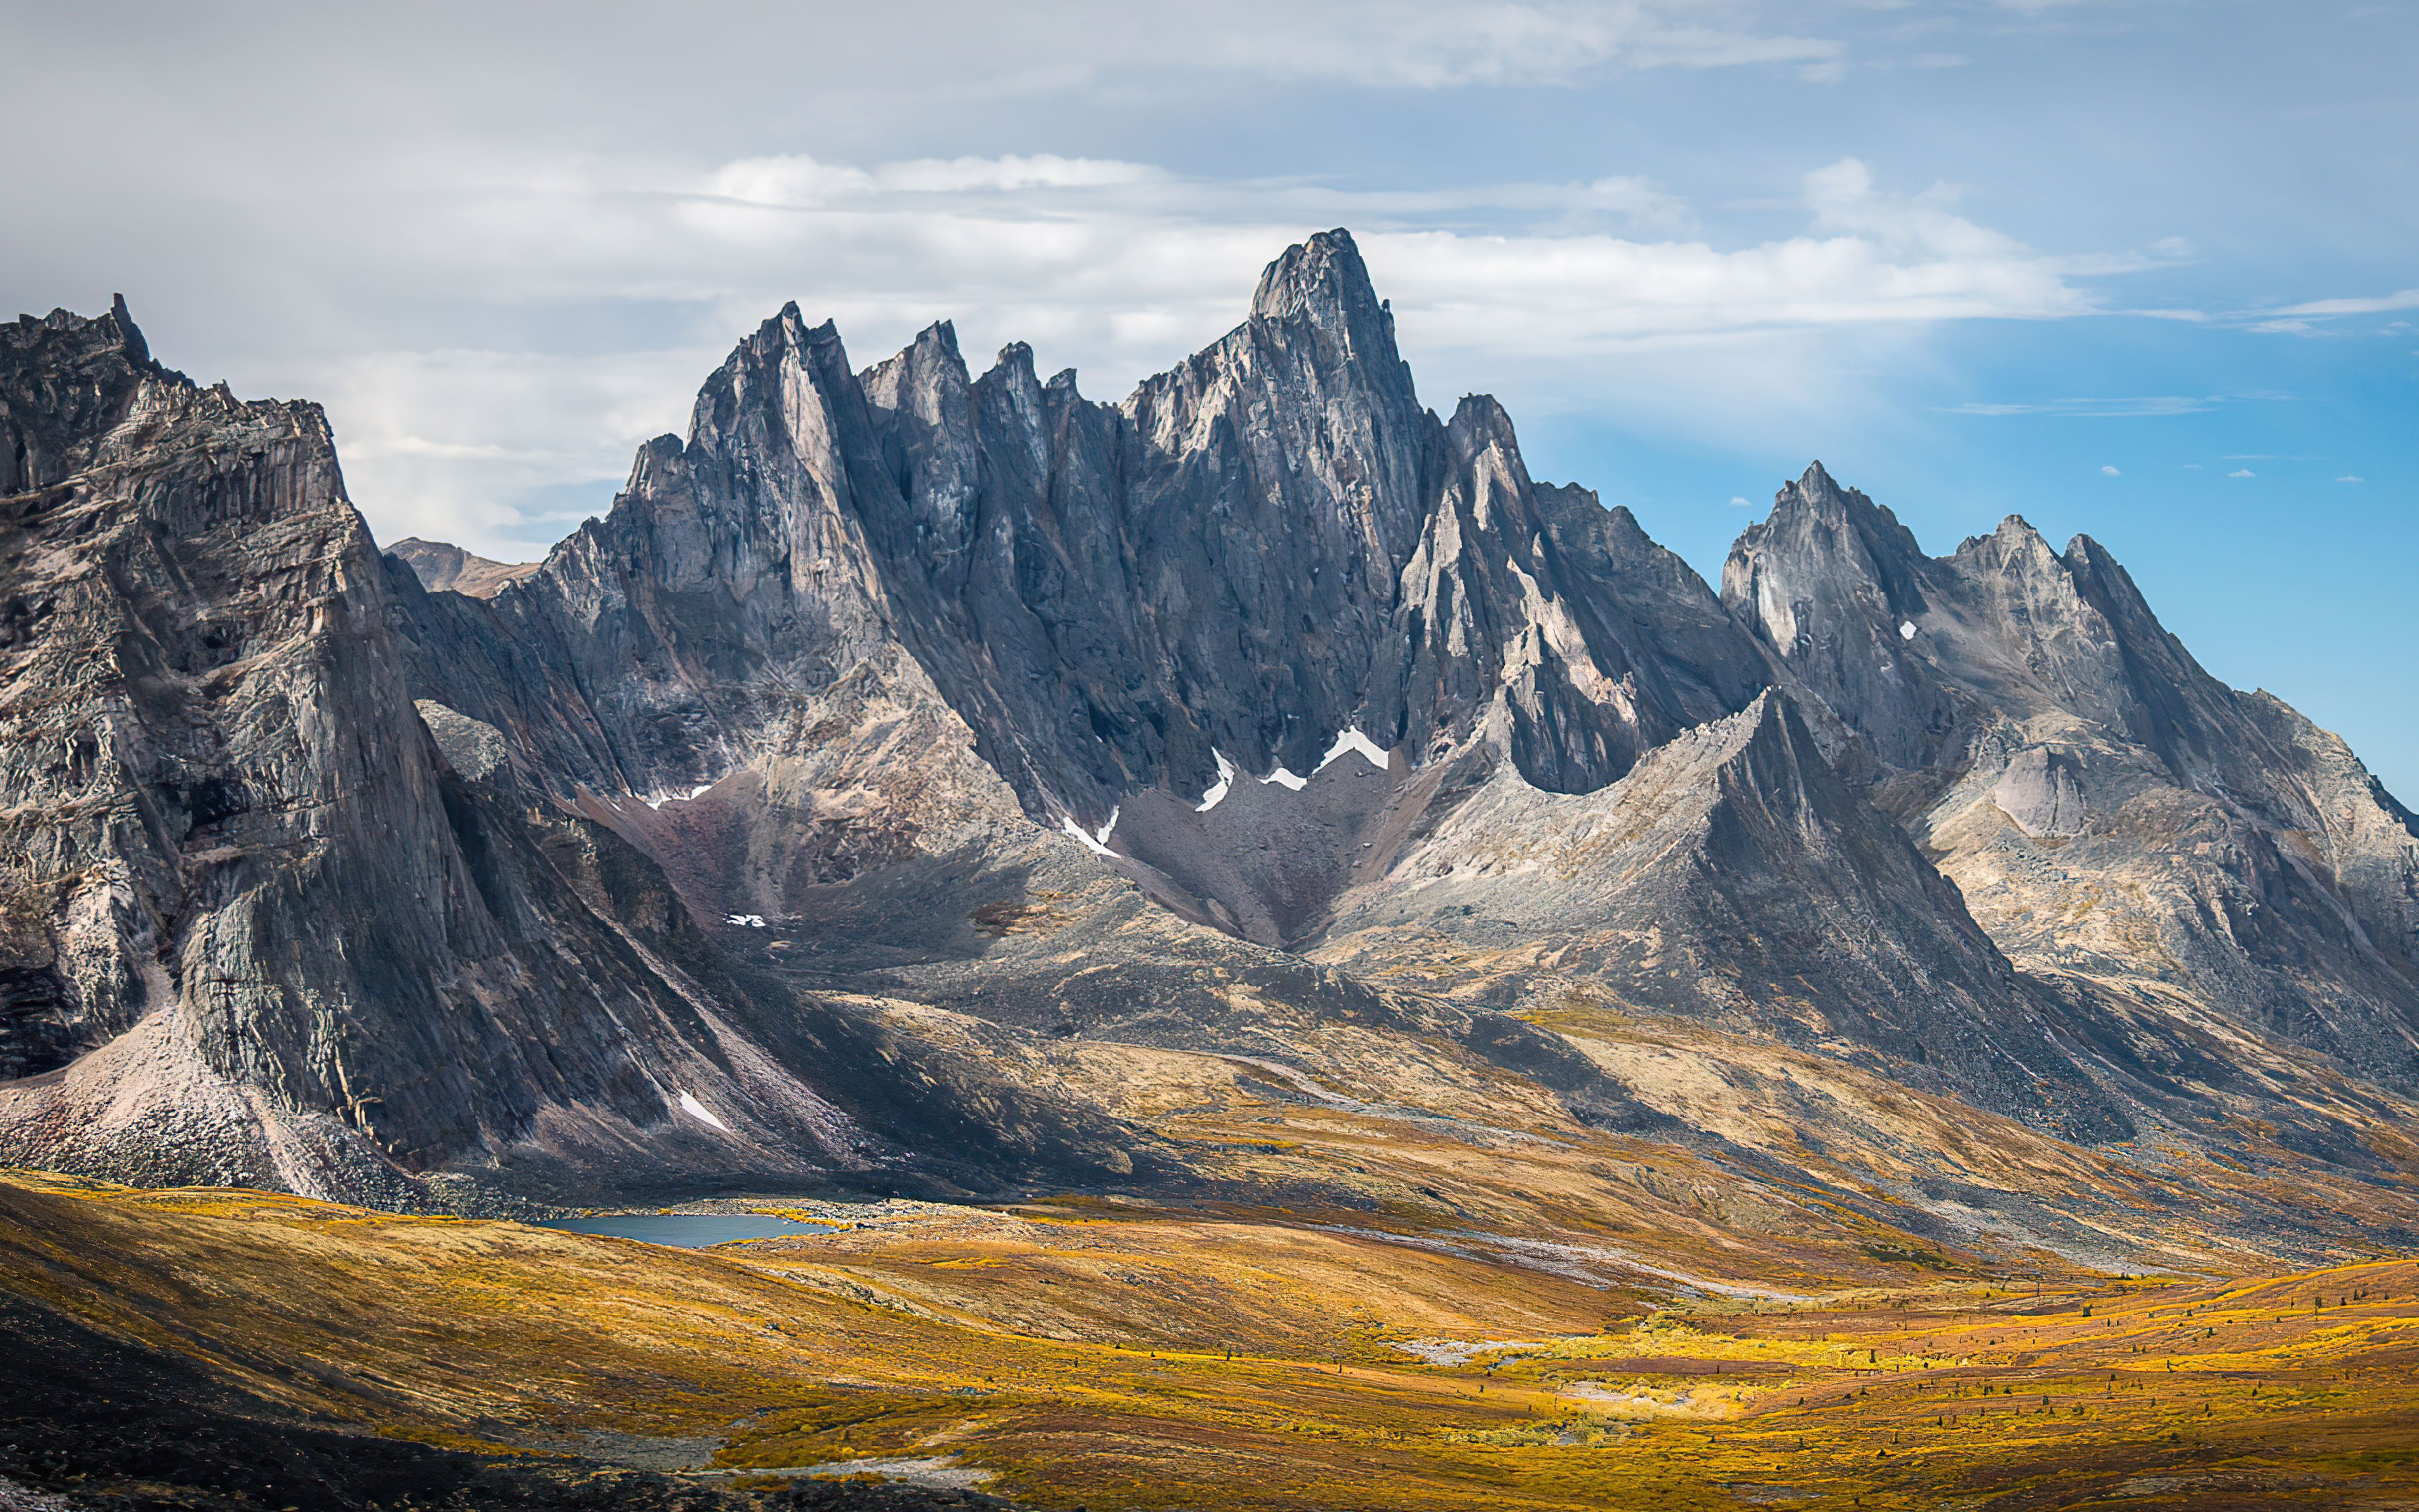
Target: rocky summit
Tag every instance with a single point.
(940, 783)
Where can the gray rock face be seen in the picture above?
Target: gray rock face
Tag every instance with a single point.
(1155, 623)
(1734, 878)
(1255, 552)
(260, 930)
(2039, 795)
(1267, 546)
(902, 738)
(2110, 810)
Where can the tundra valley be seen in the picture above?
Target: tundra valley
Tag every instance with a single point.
(1271, 960)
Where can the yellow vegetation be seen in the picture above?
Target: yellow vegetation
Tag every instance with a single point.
(1092, 1352)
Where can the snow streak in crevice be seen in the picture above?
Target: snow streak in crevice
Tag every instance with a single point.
(1218, 790)
(698, 1111)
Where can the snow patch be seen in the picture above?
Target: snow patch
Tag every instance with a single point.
(695, 1109)
(745, 920)
(1906, 629)
(1286, 779)
(1218, 789)
(690, 796)
(1097, 844)
(1353, 739)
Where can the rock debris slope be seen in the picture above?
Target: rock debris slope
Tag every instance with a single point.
(910, 758)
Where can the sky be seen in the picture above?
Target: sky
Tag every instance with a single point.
(2146, 269)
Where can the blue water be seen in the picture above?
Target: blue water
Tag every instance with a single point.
(688, 1230)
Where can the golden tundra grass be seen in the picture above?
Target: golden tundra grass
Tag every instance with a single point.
(1097, 1354)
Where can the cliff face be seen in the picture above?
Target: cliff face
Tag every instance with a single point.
(1732, 878)
(1257, 552)
(927, 778)
(2110, 810)
(263, 926)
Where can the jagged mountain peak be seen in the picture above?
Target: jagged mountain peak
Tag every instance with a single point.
(1824, 557)
(1016, 357)
(813, 710)
(1816, 482)
(136, 348)
(1479, 421)
(935, 344)
(927, 373)
(1321, 273)
(1854, 539)
(115, 331)
(65, 380)
(1269, 544)
(2018, 701)
(2016, 526)
(1816, 492)
(786, 329)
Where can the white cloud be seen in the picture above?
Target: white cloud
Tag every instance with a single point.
(2348, 479)
(2145, 406)
(1118, 268)
(2242, 472)
(1741, 503)
(2312, 317)
(1444, 46)
(1868, 257)
(2112, 472)
(2407, 300)
(507, 248)
(800, 182)
(507, 450)
(1642, 202)
(493, 333)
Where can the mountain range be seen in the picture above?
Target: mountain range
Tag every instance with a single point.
(943, 783)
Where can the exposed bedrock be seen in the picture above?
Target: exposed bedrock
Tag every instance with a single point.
(907, 750)
(2108, 808)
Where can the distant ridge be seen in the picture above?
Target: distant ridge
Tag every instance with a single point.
(445, 568)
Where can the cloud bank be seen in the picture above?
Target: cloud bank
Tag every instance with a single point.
(1116, 267)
